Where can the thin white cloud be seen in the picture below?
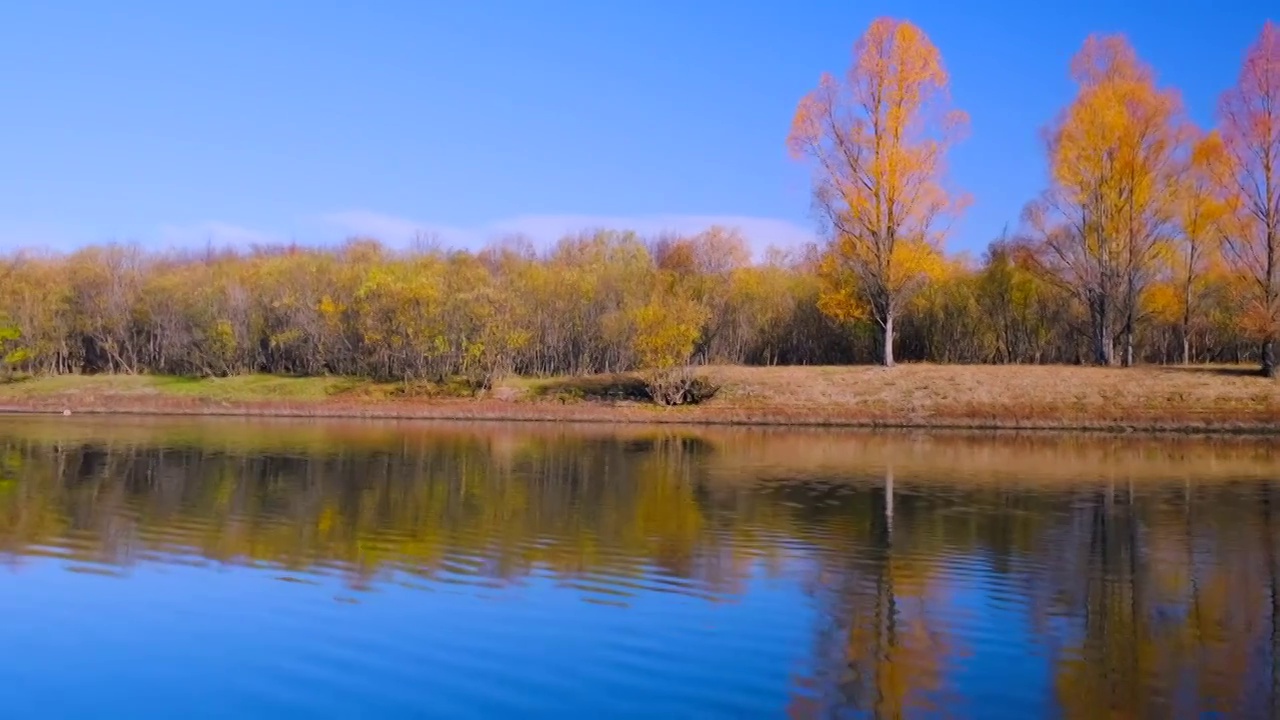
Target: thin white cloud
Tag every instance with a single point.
(543, 230)
(761, 233)
(390, 229)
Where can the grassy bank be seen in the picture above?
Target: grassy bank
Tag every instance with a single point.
(1197, 398)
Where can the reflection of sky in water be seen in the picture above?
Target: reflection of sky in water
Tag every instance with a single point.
(1003, 671)
(175, 641)
(642, 579)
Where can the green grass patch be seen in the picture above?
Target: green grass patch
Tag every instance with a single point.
(237, 387)
(255, 387)
(28, 386)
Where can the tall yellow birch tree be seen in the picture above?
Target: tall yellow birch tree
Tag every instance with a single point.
(877, 141)
(1200, 214)
(1112, 199)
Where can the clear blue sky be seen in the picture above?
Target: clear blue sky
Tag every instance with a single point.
(169, 122)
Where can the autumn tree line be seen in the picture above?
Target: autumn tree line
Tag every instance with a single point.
(1154, 241)
(1148, 224)
(604, 301)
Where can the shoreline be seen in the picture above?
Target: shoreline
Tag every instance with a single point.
(596, 412)
(1197, 400)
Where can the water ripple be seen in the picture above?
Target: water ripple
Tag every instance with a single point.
(614, 577)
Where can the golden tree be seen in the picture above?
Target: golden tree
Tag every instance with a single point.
(1250, 125)
(1112, 155)
(877, 141)
(1200, 216)
(667, 330)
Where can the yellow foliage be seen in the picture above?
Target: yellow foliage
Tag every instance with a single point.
(667, 330)
(912, 266)
(1164, 301)
(1114, 146)
(329, 309)
(842, 297)
(1114, 156)
(223, 340)
(877, 142)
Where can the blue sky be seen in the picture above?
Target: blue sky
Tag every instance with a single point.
(242, 120)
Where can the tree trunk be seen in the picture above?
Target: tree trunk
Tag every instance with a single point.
(1103, 342)
(1186, 316)
(1127, 360)
(888, 339)
(1131, 299)
(1269, 296)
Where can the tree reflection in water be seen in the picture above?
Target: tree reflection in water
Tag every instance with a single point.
(946, 574)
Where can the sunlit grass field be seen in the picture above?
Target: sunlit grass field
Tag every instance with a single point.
(910, 395)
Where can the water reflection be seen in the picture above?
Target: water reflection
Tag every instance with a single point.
(922, 575)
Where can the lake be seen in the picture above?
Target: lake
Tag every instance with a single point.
(276, 569)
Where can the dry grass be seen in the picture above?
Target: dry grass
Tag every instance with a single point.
(1198, 398)
(929, 395)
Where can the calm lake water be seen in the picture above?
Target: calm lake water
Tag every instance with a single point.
(245, 569)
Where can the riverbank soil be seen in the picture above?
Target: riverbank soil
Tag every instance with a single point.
(1168, 398)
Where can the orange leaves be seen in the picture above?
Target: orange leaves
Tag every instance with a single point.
(1114, 154)
(715, 251)
(811, 117)
(1250, 112)
(1250, 118)
(842, 298)
(1208, 154)
(1164, 301)
(897, 74)
(915, 260)
(1116, 140)
(876, 142)
(1108, 59)
(1250, 124)
(1202, 207)
(1140, 203)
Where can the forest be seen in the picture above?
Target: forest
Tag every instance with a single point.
(1153, 241)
